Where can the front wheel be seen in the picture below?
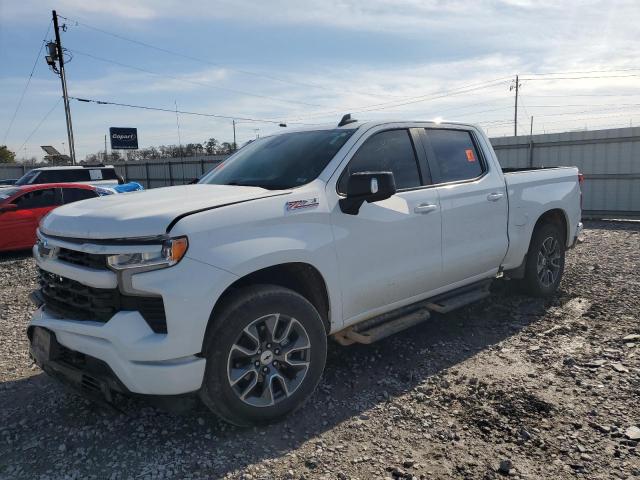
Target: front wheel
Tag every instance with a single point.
(265, 355)
(545, 261)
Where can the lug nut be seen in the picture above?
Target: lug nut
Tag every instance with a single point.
(259, 351)
(256, 363)
(275, 363)
(268, 345)
(277, 351)
(265, 369)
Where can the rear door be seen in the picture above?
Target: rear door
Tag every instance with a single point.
(391, 250)
(72, 194)
(474, 205)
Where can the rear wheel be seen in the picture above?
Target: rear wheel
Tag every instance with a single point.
(545, 261)
(265, 355)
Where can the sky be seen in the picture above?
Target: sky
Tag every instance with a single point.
(309, 62)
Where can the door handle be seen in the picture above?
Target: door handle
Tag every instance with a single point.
(495, 196)
(425, 208)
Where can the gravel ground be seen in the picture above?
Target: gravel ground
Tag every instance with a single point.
(511, 386)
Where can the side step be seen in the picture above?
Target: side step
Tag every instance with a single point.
(447, 304)
(382, 328)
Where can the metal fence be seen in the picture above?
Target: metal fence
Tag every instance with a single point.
(609, 160)
(162, 174)
(152, 174)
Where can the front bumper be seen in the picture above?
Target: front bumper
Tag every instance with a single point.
(162, 377)
(143, 361)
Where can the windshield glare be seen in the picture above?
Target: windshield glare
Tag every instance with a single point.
(7, 192)
(28, 177)
(282, 161)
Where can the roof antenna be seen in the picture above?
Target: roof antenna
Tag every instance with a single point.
(346, 120)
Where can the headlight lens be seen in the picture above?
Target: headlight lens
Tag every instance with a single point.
(169, 253)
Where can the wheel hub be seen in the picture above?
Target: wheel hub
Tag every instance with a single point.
(266, 357)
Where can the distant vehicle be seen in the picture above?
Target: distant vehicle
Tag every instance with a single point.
(121, 188)
(229, 288)
(89, 174)
(22, 208)
(8, 181)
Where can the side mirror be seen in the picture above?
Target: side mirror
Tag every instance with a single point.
(9, 207)
(367, 187)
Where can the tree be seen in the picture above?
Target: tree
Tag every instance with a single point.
(225, 148)
(211, 146)
(6, 155)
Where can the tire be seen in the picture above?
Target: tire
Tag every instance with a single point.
(265, 355)
(545, 261)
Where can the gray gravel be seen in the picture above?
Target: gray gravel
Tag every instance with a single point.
(512, 386)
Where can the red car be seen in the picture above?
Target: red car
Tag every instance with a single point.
(22, 208)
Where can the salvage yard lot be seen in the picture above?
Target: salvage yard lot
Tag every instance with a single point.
(533, 388)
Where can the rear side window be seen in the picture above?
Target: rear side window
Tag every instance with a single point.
(456, 156)
(63, 176)
(71, 195)
(37, 199)
(389, 151)
(109, 174)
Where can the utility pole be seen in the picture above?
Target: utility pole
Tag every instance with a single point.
(515, 116)
(178, 127)
(63, 79)
(531, 129)
(105, 149)
(234, 136)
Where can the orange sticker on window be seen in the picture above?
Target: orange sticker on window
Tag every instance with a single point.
(470, 156)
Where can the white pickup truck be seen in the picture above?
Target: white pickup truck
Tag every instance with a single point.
(229, 288)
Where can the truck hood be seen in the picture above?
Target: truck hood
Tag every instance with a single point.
(142, 214)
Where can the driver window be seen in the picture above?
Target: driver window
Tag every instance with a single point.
(37, 199)
(388, 151)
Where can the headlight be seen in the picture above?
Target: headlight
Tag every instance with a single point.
(167, 255)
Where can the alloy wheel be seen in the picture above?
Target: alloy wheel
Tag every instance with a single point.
(549, 261)
(269, 360)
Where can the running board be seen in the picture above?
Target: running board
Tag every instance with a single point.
(361, 334)
(447, 304)
(382, 326)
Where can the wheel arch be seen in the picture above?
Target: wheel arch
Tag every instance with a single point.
(303, 278)
(555, 216)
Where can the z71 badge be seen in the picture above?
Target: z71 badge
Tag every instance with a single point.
(298, 204)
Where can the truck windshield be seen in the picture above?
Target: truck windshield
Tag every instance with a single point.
(28, 177)
(282, 161)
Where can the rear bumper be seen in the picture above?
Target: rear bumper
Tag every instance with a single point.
(578, 238)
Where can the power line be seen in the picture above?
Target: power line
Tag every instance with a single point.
(24, 91)
(217, 64)
(588, 95)
(40, 124)
(586, 71)
(421, 98)
(581, 78)
(184, 112)
(184, 80)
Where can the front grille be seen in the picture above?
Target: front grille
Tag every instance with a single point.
(73, 300)
(90, 260)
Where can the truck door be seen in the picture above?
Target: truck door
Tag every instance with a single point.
(473, 199)
(391, 250)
